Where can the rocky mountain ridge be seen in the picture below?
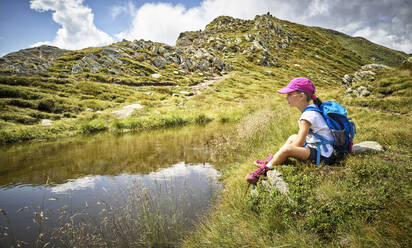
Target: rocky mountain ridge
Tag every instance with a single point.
(195, 51)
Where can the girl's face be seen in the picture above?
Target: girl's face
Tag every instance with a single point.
(294, 98)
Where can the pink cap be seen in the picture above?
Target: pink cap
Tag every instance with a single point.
(301, 84)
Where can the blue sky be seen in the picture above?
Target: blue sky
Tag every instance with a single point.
(75, 24)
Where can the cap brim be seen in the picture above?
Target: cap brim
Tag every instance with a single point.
(286, 90)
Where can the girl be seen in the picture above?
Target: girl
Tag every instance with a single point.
(300, 91)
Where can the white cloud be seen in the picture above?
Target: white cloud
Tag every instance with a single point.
(128, 9)
(77, 24)
(387, 23)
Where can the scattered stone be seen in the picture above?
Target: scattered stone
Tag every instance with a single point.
(269, 72)
(46, 122)
(204, 65)
(363, 91)
(176, 72)
(126, 110)
(88, 109)
(186, 93)
(367, 146)
(375, 66)
(156, 75)
(274, 181)
(347, 79)
(159, 62)
(257, 45)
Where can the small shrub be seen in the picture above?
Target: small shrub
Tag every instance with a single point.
(18, 118)
(94, 126)
(47, 105)
(202, 119)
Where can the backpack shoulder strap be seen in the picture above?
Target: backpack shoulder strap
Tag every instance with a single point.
(311, 108)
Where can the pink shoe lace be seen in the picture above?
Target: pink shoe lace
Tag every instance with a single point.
(265, 161)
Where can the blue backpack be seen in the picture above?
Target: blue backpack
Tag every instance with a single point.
(343, 130)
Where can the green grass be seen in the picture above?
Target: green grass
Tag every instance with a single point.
(364, 201)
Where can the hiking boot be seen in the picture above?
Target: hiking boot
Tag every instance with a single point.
(253, 177)
(259, 163)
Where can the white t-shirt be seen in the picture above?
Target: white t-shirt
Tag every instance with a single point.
(319, 127)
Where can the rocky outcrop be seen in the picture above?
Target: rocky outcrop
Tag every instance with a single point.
(265, 37)
(30, 61)
(357, 83)
(260, 40)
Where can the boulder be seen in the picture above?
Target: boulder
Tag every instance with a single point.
(46, 122)
(126, 110)
(367, 146)
(204, 65)
(274, 181)
(156, 75)
(347, 79)
(363, 91)
(159, 62)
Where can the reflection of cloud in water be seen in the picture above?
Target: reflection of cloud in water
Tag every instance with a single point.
(183, 170)
(177, 170)
(75, 184)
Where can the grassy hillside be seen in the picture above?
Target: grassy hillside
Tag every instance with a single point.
(368, 50)
(79, 89)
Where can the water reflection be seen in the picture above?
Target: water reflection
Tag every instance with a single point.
(105, 154)
(148, 186)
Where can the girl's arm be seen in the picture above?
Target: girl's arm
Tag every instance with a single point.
(303, 132)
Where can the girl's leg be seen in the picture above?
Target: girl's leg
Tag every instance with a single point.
(289, 150)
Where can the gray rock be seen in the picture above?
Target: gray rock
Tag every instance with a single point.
(46, 122)
(363, 91)
(111, 53)
(186, 93)
(274, 181)
(349, 91)
(347, 79)
(367, 146)
(156, 75)
(160, 62)
(247, 37)
(126, 110)
(257, 45)
(375, 66)
(359, 75)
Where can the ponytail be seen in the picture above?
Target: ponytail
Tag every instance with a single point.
(317, 101)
